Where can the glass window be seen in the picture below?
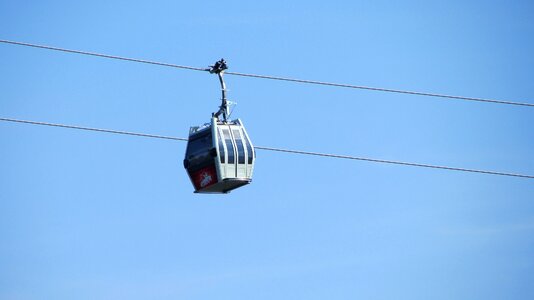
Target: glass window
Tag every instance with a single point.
(199, 144)
(221, 147)
(198, 149)
(249, 150)
(229, 146)
(240, 147)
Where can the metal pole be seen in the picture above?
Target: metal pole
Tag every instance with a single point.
(219, 68)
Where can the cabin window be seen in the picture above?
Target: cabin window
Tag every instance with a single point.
(240, 147)
(229, 146)
(199, 145)
(221, 147)
(198, 149)
(250, 152)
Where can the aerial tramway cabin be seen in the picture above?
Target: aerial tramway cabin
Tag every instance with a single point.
(219, 155)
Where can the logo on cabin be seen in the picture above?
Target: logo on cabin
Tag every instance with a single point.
(205, 177)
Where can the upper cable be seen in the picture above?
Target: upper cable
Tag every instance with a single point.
(341, 85)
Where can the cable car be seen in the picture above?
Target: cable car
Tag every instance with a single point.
(219, 156)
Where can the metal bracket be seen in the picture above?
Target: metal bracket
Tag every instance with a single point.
(218, 68)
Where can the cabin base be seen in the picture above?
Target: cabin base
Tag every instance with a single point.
(224, 186)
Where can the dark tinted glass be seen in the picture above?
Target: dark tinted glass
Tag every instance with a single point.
(249, 150)
(229, 146)
(198, 149)
(221, 148)
(240, 147)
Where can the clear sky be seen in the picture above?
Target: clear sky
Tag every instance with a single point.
(89, 215)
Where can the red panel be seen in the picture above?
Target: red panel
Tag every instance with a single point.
(204, 177)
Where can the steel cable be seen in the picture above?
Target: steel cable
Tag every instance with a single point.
(315, 82)
(278, 149)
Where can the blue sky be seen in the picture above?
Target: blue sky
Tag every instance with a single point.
(100, 216)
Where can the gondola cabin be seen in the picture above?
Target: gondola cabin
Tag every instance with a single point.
(219, 156)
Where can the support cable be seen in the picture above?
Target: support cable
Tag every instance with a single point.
(383, 89)
(279, 149)
(94, 129)
(103, 55)
(315, 82)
